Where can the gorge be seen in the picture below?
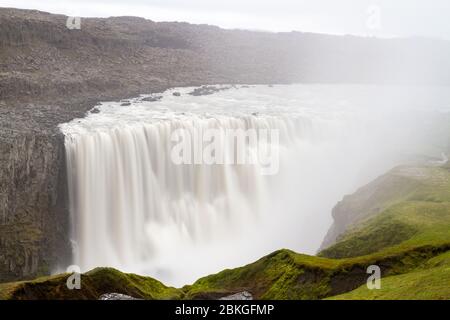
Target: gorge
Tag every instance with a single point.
(69, 96)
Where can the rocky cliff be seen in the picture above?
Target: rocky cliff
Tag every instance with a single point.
(33, 213)
(50, 74)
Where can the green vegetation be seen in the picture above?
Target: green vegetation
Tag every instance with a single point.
(422, 217)
(430, 282)
(281, 275)
(93, 284)
(288, 275)
(23, 244)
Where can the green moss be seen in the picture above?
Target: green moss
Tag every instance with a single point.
(373, 238)
(280, 275)
(283, 274)
(430, 281)
(410, 222)
(287, 275)
(93, 284)
(421, 217)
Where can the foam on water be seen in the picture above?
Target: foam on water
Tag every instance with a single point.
(134, 209)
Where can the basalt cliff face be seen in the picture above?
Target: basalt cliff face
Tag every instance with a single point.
(50, 74)
(33, 213)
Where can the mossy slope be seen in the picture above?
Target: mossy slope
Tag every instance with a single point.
(283, 274)
(428, 282)
(420, 217)
(288, 275)
(93, 284)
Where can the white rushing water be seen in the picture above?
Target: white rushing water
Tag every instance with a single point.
(133, 208)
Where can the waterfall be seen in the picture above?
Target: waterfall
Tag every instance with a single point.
(129, 199)
(133, 208)
(127, 194)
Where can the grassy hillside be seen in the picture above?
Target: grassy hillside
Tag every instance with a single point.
(429, 282)
(420, 217)
(288, 275)
(283, 274)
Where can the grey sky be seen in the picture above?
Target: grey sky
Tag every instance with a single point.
(362, 17)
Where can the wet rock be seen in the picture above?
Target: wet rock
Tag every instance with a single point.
(207, 90)
(125, 104)
(116, 296)
(152, 98)
(244, 295)
(176, 94)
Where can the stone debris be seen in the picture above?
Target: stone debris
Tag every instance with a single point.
(207, 90)
(116, 296)
(244, 295)
(152, 98)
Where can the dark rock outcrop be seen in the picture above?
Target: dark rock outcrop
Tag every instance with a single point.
(34, 237)
(207, 90)
(244, 295)
(116, 296)
(152, 98)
